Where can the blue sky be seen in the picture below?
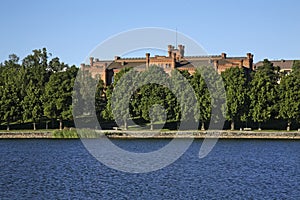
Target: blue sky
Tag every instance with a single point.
(71, 29)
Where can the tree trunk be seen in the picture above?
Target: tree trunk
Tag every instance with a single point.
(125, 124)
(288, 128)
(202, 126)
(46, 125)
(34, 127)
(60, 124)
(151, 125)
(7, 127)
(259, 126)
(232, 125)
(52, 123)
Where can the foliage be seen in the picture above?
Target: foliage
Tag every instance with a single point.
(118, 98)
(38, 88)
(58, 95)
(65, 134)
(263, 93)
(10, 90)
(236, 94)
(289, 95)
(203, 98)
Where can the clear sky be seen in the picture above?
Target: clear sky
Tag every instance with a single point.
(70, 29)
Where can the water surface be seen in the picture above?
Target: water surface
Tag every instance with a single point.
(235, 169)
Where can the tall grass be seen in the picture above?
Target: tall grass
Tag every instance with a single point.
(65, 134)
(79, 133)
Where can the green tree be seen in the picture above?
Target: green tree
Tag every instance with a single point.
(100, 102)
(263, 93)
(154, 96)
(56, 66)
(296, 65)
(36, 75)
(84, 94)
(183, 92)
(32, 104)
(118, 96)
(9, 102)
(236, 94)
(156, 114)
(289, 95)
(107, 112)
(58, 95)
(216, 96)
(203, 113)
(10, 90)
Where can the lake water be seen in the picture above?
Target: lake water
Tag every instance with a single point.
(235, 169)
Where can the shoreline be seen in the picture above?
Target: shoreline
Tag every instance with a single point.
(25, 135)
(209, 134)
(113, 134)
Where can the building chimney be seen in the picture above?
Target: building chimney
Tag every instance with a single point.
(91, 61)
(181, 50)
(170, 49)
(250, 60)
(249, 56)
(147, 59)
(82, 65)
(241, 63)
(223, 55)
(173, 60)
(216, 65)
(104, 75)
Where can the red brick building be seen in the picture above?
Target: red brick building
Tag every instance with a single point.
(106, 69)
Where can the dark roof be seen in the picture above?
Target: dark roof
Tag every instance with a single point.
(223, 62)
(119, 65)
(237, 58)
(283, 64)
(194, 63)
(203, 57)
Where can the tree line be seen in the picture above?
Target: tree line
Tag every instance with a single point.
(251, 96)
(36, 89)
(39, 89)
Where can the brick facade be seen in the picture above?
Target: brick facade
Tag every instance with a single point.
(174, 59)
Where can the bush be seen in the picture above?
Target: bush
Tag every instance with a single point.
(65, 134)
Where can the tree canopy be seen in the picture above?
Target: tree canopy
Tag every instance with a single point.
(38, 89)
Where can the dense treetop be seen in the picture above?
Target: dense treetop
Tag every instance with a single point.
(39, 89)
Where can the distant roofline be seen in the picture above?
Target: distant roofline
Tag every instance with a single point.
(202, 56)
(132, 58)
(103, 60)
(282, 60)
